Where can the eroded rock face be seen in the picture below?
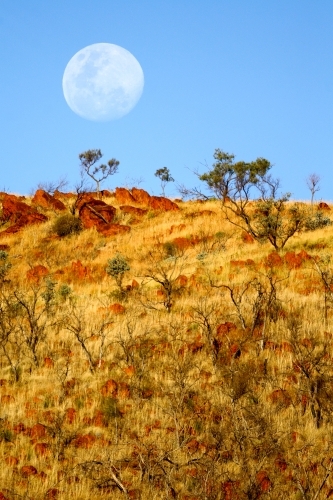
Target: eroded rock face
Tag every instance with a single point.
(141, 196)
(155, 202)
(323, 206)
(45, 200)
(19, 214)
(96, 213)
(127, 209)
(37, 273)
(113, 229)
(123, 196)
(161, 203)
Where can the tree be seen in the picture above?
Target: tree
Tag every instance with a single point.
(97, 173)
(165, 176)
(116, 268)
(236, 184)
(312, 182)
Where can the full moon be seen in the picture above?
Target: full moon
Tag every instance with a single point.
(102, 82)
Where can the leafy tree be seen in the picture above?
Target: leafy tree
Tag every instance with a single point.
(236, 184)
(116, 268)
(97, 173)
(165, 176)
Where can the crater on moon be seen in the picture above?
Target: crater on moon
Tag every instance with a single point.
(102, 82)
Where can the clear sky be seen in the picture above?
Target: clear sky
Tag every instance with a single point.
(251, 77)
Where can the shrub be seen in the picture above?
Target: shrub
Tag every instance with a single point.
(66, 225)
(116, 268)
(4, 265)
(317, 221)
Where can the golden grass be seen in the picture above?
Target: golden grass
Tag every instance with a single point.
(194, 414)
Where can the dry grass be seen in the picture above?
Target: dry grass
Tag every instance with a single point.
(153, 404)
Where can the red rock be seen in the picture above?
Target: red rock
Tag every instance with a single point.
(127, 209)
(113, 229)
(181, 281)
(182, 243)
(99, 419)
(45, 200)
(4, 247)
(37, 273)
(11, 461)
(28, 470)
(272, 346)
(263, 481)
(280, 398)
(129, 370)
(7, 399)
(85, 441)
(140, 196)
(2, 496)
(135, 284)
(19, 214)
(281, 464)
(247, 238)
(179, 227)
(52, 494)
(42, 449)
(230, 489)
(110, 388)
(273, 260)
(286, 347)
(38, 431)
(70, 415)
(225, 329)
(123, 196)
(242, 263)
(79, 271)
(42, 475)
(96, 213)
(106, 193)
(117, 309)
(18, 428)
(323, 206)
(48, 362)
(123, 390)
(293, 260)
(64, 196)
(193, 446)
(161, 203)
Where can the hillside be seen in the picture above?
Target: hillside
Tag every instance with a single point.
(161, 352)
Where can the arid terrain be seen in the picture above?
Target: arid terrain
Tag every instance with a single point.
(154, 351)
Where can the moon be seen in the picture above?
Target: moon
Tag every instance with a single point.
(102, 82)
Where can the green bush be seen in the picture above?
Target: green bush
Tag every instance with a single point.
(66, 225)
(116, 268)
(317, 221)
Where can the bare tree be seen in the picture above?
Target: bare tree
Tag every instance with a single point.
(313, 184)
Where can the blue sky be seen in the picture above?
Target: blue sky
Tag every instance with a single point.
(252, 77)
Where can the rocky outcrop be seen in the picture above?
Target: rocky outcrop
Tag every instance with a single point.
(19, 214)
(113, 229)
(96, 213)
(45, 200)
(161, 203)
(123, 196)
(141, 196)
(127, 209)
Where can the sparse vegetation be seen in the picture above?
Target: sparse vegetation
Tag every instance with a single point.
(98, 173)
(67, 224)
(212, 380)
